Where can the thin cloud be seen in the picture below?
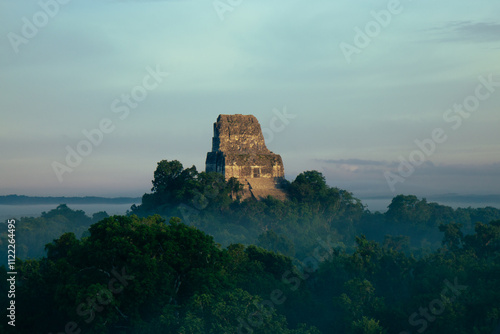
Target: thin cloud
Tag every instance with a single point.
(427, 168)
(478, 32)
(357, 162)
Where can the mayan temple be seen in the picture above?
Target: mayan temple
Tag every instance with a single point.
(239, 150)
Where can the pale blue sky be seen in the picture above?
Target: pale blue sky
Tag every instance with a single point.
(352, 120)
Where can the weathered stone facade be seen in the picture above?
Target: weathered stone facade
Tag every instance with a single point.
(239, 150)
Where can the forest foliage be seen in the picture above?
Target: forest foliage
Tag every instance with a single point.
(195, 258)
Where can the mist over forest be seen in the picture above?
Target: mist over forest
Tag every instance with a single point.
(194, 257)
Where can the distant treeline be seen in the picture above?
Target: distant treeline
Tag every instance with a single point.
(29, 200)
(446, 198)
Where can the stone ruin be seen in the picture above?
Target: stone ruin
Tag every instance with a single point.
(239, 151)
